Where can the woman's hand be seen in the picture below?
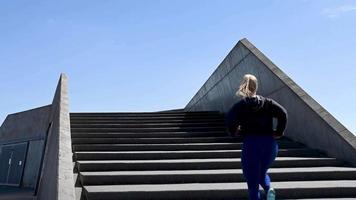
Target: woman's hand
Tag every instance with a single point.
(277, 136)
(238, 131)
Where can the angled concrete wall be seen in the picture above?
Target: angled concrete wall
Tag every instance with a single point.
(48, 168)
(28, 126)
(309, 122)
(56, 180)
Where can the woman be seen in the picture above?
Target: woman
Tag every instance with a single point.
(252, 118)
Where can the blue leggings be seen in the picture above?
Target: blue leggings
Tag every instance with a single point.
(258, 153)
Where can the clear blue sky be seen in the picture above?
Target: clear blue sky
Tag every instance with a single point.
(155, 55)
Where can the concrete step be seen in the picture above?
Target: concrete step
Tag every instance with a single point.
(213, 176)
(326, 199)
(195, 164)
(178, 111)
(135, 129)
(155, 147)
(150, 125)
(153, 140)
(170, 147)
(291, 189)
(169, 140)
(152, 155)
(158, 115)
(148, 120)
(186, 134)
(146, 113)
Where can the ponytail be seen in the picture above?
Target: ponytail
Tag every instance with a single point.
(248, 86)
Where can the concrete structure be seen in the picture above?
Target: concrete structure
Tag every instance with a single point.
(48, 165)
(188, 155)
(27, 127)
(309, 122)
(57, 176)
(47, 154)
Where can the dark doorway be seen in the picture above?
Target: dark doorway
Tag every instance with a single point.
(12, 162)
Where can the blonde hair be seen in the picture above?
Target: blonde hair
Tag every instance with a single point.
(248, 86)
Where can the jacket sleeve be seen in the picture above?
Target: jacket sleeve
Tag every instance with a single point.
(280, 113)
(232, 118)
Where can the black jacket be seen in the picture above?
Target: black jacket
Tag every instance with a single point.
(255, 115)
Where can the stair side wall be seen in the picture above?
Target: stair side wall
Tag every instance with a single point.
(57, 180)
(309, 123)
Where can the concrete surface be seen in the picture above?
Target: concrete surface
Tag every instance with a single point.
(151, 155)
(46, 129)
(151, 140)
(213, 176)
(309, 123)
(192, 164)
(33, 163)
(25, 126)
(219, 186)
(292, 189)
(158, 147)
(125, 166)
(28, 126)
(57, 176)
(221, 171)
(10, 193)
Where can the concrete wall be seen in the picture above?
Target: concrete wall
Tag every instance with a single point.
(56, 180)
(33, 163)
(309, 122)
(28, 126)
(48, 167)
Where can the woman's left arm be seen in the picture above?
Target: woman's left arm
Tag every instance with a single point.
(233, 119)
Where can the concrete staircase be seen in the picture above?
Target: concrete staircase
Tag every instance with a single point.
(188, 155)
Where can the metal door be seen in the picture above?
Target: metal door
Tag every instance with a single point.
(5, 159)
(17, 164)
(12, 161)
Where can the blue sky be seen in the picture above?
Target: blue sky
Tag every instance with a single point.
(155, 55)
